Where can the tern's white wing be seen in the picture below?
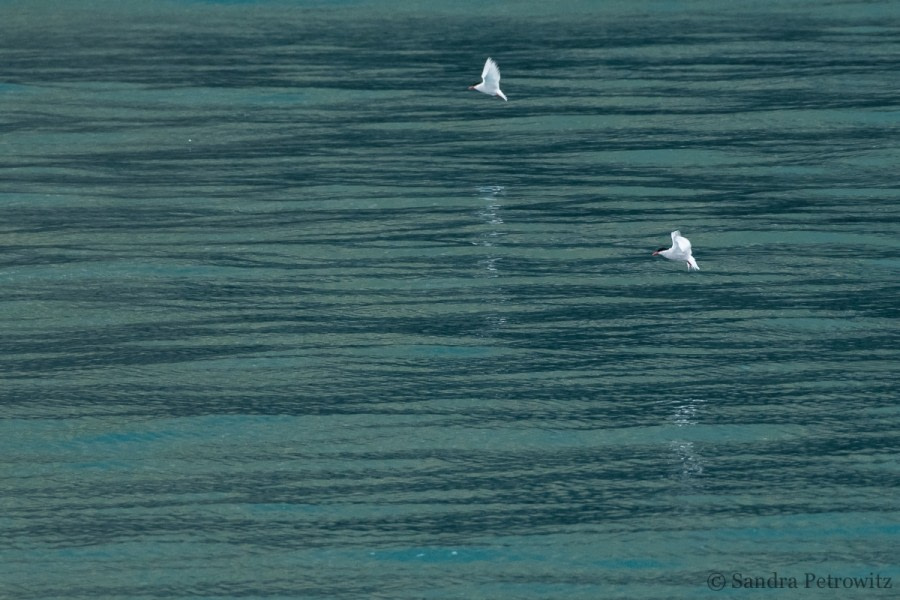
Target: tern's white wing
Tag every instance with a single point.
(681, 244)
(490, 75)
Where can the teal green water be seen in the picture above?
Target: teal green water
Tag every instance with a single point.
(287, 312)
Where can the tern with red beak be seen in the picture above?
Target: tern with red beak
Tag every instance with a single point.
(490, 80)
(680, 250)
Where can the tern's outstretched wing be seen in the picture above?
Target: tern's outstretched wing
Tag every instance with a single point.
(682, 244)
(491, 74)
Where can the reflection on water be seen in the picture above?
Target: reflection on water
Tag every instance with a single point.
(684, 416)
(491, 236)
(489, 214)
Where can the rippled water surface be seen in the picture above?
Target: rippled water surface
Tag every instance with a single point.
(287, 312)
